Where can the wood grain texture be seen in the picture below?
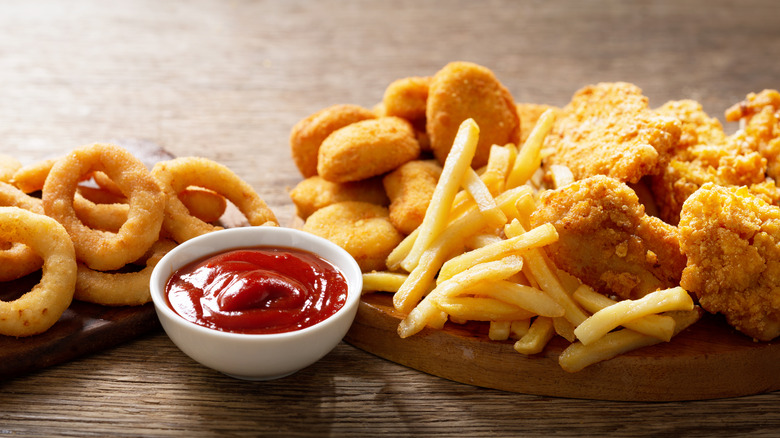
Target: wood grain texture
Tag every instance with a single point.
(228, 79)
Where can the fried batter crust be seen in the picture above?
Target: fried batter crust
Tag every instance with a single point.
(706, 154)
(606, 239)
(607, 129)
(732, 242)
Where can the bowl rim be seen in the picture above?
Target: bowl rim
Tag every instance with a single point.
(164, 269)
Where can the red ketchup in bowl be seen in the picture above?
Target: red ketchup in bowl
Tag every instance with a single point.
(257, 290)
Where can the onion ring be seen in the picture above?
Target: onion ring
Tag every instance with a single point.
(8, 166)
(16, 258)
(120, 288)
(40, 308)
(179, 173)
(31, 178)
(103, 250)
(206, 205)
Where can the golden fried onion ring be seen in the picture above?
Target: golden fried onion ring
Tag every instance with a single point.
(120, 288)
(103, 250)
(38, 309)
(180, 173)
(17, 259)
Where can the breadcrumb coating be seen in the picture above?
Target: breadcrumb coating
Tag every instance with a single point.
(731, 239)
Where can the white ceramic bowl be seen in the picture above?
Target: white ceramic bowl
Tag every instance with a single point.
(256, 356)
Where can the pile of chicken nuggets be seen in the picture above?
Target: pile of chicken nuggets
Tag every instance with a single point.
(642, 198)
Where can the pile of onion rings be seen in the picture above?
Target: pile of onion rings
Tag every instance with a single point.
(96, 221)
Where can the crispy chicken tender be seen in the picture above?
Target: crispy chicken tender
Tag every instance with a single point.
(607, 129)
(362, 229)
(410, 188)
(315, 192)
(761, 133)
(308, 134)
(463, 90)
(706, 154)
(367, 148)
(607, 241)
(732, 242)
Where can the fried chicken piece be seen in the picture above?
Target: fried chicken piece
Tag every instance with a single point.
(731, 239)
(761, 133)
(706, 154)
(606, 239)
(608, 129)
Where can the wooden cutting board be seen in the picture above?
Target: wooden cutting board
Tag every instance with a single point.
(708, 360)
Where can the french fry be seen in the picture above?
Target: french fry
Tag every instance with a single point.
(478, 191)
(540, 236)
(546, 278)
(480, 309)
(400, 252)
(437, 214)
(499, 330)
(420, 314)
(382, 281)
(529, 157)
(519, 328)
(577, 356)
(447, 244)
(537, 337)
(564, 329)
(658, 326)
(609, 318)
(561, 175)
(524, 297)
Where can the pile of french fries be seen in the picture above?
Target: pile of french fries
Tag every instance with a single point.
(476, 258)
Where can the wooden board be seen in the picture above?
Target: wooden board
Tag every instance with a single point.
(708, 360)
(84, 328)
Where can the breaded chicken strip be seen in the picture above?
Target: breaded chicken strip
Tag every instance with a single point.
(606, 239)
(732, 242)
(706, 154)
(761, 113)
(607, 129)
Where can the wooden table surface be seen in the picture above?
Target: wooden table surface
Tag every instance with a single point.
(228, 79)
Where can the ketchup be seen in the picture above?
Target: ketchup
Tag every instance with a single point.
(257, 290)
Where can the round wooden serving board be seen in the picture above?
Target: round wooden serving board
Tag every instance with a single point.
(708, 360)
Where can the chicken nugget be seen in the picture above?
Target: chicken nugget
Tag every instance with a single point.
(410, 188)
(606, 240)
(463, 90)
(314, 193)
(367, 148)
(608, 129)
(362, 229)
(407, 98)
(307, 135)
(731, 239)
